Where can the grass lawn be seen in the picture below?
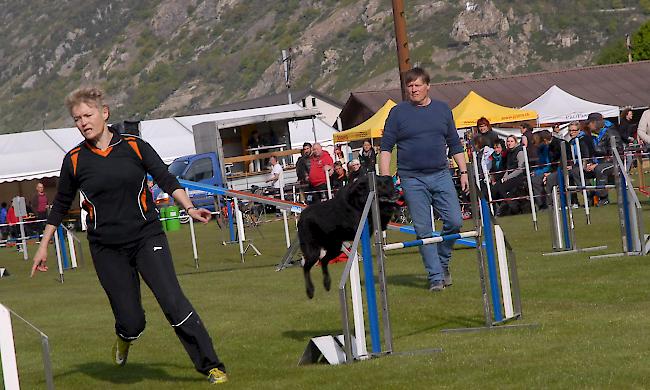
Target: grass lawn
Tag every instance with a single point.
(592, 315)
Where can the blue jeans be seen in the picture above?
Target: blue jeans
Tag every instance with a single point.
(437, 190)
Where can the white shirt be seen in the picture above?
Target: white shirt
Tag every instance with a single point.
(276, 171)
(643, 131)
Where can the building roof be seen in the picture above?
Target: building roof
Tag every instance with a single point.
(270, 100)
(625, 84)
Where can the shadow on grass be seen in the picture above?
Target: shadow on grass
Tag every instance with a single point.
(129, 374)
(242, 268)
(408, 280)
(301, 335)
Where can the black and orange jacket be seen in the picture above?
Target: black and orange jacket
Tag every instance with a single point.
(113, 182)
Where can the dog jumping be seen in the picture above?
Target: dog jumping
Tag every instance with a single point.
(324, 226)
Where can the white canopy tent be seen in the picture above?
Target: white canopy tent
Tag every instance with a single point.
(39, 154)
(311, 131)
(558, 106)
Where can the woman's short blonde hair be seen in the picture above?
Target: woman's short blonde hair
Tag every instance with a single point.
(89, 95)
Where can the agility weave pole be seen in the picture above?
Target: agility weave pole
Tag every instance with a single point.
(8, 351)
(562, 223)
(66, 256)
(634, 241)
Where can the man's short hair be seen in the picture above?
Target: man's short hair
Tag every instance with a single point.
(594, 117)
(90, 95)
(416, 73)
(306, 144)
(545, 135)
(338, 164)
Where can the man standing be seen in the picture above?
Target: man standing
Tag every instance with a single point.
(274, 178)
(39, 206)
(423, 130)
(302, 169)
(321, 165)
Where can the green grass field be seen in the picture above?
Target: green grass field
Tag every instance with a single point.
(593, 318)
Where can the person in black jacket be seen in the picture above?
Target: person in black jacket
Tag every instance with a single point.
(368, 156)
(125, 235)
(514, 177)
(485, 129)
(303, 165)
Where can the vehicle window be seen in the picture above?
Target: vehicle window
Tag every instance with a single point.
(199, 170)
(177, 167)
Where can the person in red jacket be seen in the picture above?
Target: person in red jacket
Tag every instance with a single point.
(321, 165)
(124, 232)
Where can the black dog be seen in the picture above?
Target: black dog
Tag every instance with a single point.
(325, 226)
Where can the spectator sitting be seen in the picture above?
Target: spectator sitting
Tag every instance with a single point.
(339, 177)
(485, 129)
(598, 167)
(355, 170)
(513, 178)
(498, 162)
(626, 128)
(368, 156)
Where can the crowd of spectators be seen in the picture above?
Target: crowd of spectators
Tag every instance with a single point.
(588, 141)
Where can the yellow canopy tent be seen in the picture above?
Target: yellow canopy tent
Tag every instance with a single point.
(371, 128)
(474, 106)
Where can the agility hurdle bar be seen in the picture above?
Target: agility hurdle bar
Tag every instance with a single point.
(496, 264)
(8, 351)
(431, 240)
(468, 241)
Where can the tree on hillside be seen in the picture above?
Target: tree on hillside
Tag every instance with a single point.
(616, 52)
(641, 43)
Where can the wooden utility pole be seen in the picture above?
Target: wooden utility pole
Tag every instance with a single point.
(628, 45)
(403, 57)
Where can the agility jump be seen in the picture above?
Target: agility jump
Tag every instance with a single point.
(634, 241)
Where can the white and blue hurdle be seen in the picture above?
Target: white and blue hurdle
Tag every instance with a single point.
(633, 240)
(496, 261)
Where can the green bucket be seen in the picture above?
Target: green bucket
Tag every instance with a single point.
(163, 214)
(174, 222)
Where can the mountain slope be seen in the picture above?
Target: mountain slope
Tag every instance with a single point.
(163, 57)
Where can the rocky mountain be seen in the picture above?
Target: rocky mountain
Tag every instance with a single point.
(159, 58)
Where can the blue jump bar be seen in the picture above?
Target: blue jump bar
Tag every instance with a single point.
(470, 242)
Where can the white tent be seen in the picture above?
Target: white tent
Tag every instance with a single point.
(557, 105)
(38, 154)
(308, 130)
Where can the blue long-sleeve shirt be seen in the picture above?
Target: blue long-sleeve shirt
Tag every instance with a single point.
(425, 137)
